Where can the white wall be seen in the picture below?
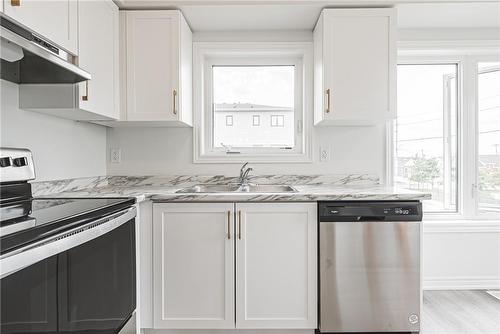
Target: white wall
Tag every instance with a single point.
(61, 148)
(461, 255)
(170, 151)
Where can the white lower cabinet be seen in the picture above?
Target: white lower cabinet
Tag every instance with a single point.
(276, 257)
(193, 265)
(234, 266)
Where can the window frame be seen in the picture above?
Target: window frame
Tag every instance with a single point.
(467, 131)
(209, 54)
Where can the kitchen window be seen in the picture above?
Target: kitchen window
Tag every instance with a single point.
(446, 138)
(244, 90)
(266, 88)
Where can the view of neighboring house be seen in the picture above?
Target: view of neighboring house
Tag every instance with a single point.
(253, 125)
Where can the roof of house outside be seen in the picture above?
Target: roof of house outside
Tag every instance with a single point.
(248, 107)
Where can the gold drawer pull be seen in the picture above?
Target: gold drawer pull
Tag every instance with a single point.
(174, 95)
(86, 96)
(229, 225)
(239, 224)
(15, 3)
(328, 100)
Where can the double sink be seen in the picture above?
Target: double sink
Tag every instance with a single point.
(235, 188)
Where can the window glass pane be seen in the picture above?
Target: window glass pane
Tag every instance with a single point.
(252, 95)
(425, 133)
(489, 137)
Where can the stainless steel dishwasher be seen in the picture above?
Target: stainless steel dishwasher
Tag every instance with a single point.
(369, 262)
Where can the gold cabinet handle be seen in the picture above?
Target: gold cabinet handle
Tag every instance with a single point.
(228, 224)
(174, 95)
(239, 224)
(328, 100)
(15, 3)
(86, 96)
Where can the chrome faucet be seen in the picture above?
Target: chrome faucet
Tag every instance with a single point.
(243, 179)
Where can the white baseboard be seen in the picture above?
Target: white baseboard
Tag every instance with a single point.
(461, 283)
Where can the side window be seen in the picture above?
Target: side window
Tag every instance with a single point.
(425, 133)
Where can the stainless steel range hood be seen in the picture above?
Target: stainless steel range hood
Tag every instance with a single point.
(29, 58)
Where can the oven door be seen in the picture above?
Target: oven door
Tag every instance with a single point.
(87, 288)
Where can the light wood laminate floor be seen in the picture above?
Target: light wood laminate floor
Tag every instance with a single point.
(460, 312)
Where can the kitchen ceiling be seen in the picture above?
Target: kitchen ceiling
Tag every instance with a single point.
(241, 15)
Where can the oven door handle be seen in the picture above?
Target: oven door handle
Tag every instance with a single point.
(31, 254)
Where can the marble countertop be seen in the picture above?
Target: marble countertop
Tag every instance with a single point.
(163, 189)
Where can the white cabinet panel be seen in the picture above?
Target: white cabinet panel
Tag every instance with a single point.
(276, 258)
(98, 98)
(159, 60)
(56, 20)
(98, 44)
(355, 66)
(193, 260)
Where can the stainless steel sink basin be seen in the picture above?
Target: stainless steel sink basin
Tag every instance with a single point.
(267, 188)
(233, 188)
(210, 188)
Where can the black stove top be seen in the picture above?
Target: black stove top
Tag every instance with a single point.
(26, 221)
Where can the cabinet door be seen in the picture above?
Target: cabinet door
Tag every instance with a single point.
(56, 20)
(152, 65)
(193, 260)
(276, 261)
(98, 45)
(358, 55)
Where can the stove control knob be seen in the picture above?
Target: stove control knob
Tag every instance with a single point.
(5, 162)
(20, 162)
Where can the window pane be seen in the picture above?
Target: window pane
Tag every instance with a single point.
(425, 133)
(489, 137)
(253, 95)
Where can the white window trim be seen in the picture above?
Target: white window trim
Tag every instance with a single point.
(467, 57)
(207, 54)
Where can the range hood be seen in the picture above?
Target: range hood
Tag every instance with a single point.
(30, 59)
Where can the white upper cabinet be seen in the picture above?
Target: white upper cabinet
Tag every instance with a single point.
(158, 56)
(355, 66)
(56, 20)
(276, 255)
(98, 44)
(96, 99)
(193, 261)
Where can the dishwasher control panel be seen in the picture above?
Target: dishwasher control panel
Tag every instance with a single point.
(370, 211)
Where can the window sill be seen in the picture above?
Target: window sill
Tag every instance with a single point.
(253, 158)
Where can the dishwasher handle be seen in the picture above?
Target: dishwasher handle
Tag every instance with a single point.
(371, 218)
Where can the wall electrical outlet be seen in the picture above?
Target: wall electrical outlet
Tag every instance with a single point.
(324, 153)
(116, 155)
